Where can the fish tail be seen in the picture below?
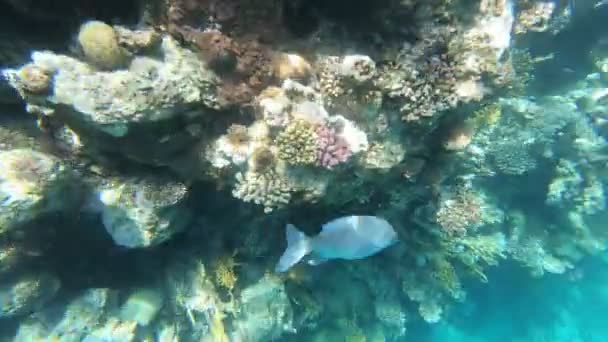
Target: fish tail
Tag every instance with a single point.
(298, 245)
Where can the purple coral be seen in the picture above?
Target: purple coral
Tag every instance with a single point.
(332, 149)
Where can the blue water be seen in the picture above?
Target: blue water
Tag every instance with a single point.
(540, 175)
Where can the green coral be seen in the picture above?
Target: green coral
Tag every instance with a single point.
(99, 44)
(297, 144)
(477, 252)
(446, 276)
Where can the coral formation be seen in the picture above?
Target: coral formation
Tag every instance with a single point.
(156, 138)
(141, 212)
(331, 148)
(99, 44)
(297, 144)
(267, 189)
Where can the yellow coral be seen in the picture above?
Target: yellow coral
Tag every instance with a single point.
(297, 144)
(478, 252)
(99, 43)
(487, 116)
(446, 276)
(224, 272)
(218, 332)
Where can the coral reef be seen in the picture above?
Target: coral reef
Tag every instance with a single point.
(298, 143)
(141, 212)
(182, 146)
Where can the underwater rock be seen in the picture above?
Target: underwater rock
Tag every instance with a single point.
(26, 293)
(31, 184)
(265, 312)
(113, 330)
(158, 93)
(142, 212)
(142, 306)
(81, 315)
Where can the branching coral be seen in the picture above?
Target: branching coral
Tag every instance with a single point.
(297, 144)
(445, 275)
(477, 252)
(269, 190)
(459, 213)
(423, 85)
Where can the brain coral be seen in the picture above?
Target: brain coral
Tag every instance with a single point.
(99, 44)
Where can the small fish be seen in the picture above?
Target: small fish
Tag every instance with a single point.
(349, 237)
(600, 3)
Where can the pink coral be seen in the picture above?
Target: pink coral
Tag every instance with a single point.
(331, 148)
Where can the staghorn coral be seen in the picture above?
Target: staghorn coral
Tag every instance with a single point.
(297, 144)
(269, 190)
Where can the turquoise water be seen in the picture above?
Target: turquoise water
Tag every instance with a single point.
(153, 153)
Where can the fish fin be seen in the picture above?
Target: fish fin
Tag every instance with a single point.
(316, 260)
(298, 245)
(339, 224)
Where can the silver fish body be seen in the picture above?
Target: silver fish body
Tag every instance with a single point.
(350, 238)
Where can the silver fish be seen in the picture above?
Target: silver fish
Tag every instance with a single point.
(349, 237)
